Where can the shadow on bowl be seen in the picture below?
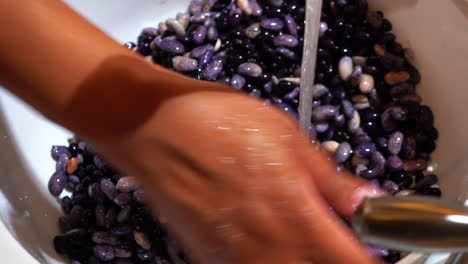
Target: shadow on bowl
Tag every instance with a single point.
(25, 209)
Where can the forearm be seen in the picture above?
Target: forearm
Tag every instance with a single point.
(68, 69)
(47, 50)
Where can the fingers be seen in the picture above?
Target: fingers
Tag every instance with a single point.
(342, 190)
(330, 241)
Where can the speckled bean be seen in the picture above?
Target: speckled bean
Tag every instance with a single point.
(213, 70)
(184, 64)
(273, 24)
(343, 152)
(250, 69)
(175, 26)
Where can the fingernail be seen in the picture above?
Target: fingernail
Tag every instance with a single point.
(366, 191)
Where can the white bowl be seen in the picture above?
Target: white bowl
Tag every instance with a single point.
(435, 30)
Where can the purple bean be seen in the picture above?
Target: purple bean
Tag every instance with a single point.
(268, 87)
(287, 108)
(122, 199)
(287, 53)
(294, 94)
(122, 230)
(212, 34)
(213, 70)
(354, 122)
(388, 122)
(273, 24)
(286, 40)
(323, 113)
(201, 17)
(80, 158)
(199, 35)
(395, 142)
(321, 127)
(340, 120)
(104, 252)
(374, 98)
(145, 256)
(74, 179)
(199, 51)
(237, 81)
(205, 58)
(195, 7)
(399, 113)
(390, 187)
(104, 238)
(256, 93)
(66, 204)
(376, 168)
(360, 168)
(319, 91)
(394, 163)
(323, 28)
(98, 162)
(57, 151)
(256, 8)
(408, 150)
(365, 149)
(348, 108)
(250, 69)
(139, 195)
(57, 183)
(355, 77)
(361, 102)
(108, 188)
(95, 192)
(124, 214)
(344, 152)
(184, 64)
(291, 25)
(62, 163)
(377, 251)
(122, 253)
(172, 46)
(253, 31)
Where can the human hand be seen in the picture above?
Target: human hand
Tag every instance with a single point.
(237, 182)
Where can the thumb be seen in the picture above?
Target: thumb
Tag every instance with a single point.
(343, 191)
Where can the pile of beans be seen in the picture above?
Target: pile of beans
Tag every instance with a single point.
(366, 113)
